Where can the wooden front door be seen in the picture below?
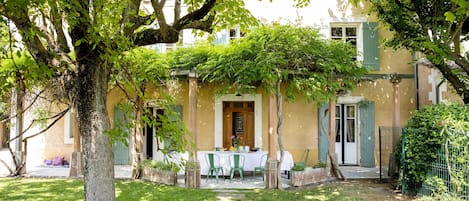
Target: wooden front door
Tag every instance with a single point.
(238, 122)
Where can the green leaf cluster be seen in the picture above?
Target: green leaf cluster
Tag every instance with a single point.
(424, 136)
(310, 65)
(160, 165)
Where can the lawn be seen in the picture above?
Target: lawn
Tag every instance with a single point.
(72, 189)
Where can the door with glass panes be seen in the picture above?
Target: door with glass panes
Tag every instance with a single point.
(346, 142)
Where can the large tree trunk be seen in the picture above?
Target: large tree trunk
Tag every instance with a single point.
(92, 82)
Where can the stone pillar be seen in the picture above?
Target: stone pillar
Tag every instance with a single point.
(193, 111)
(192, 177)
(2, 134)
(76, 160)
(396, 114)
(271, 169)
(193, 167)
(271, 174)
(16, 127)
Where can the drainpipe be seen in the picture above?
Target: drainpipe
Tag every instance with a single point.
(416, 79)
(437, 91)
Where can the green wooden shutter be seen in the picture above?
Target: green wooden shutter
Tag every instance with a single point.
(323, 141)
(371, 45)
(221, 37)
(120, 150)
(367, 134)
(178, 110)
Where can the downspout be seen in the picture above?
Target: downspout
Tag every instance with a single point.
(437, 90)
(416, 79)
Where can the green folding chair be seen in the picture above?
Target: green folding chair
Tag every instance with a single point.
(214, 167)
(261, 167)
(237, 164)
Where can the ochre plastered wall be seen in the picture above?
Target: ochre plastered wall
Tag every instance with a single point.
(381, 93)
(50, 143)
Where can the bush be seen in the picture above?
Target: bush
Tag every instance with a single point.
(320, 164)
(160, 165)
(298, 167)
(423, 137)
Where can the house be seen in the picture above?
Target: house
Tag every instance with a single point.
(385, 97)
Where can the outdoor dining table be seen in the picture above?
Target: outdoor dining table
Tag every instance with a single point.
(252, 160)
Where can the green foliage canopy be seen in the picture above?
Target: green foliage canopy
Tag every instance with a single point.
(315, 67)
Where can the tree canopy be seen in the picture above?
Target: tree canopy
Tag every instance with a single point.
(438, 29)
(80, 40)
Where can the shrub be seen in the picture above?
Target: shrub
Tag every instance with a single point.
(298, 167)
(160, 165)
(320, 164)
(423, 137)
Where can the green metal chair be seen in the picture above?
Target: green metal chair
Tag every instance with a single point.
(237, 164)
(261, 167)
(214, 167)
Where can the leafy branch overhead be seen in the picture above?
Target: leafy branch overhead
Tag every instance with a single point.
(314, 67)
(438, 29)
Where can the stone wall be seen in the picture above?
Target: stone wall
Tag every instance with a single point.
(159, 176)
(308, 176)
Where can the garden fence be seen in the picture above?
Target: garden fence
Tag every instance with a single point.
(448, 174)
(388, 139)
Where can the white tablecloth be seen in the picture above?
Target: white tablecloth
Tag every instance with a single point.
(251, 160)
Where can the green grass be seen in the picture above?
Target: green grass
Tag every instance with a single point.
(316, 193)
(72, 189)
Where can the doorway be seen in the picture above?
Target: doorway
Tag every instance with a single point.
(149, 132)
(238, 123)
(346, 142)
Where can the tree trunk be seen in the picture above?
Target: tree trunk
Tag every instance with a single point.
(279, 134)
(90, 101)
(137, 137)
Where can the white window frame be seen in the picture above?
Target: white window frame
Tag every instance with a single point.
(257, 98)
(237, 33)
(359, 27)
(69, 127)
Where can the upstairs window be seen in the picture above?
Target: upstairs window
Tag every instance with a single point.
(346, 33)
(236, 33)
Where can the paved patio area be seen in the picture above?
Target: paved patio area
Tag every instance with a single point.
(249, 182)
(357, 172)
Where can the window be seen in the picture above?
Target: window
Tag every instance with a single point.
(69, 126)
(347, 33)
(236, 33)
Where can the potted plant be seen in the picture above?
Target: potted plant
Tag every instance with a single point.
(302, 175)
(159, 172)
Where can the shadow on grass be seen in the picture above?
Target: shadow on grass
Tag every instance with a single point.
(139, 190)
(72, 189)
(41, 189)
(317, 193)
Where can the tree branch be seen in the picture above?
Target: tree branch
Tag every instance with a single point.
(461, 61)
(177, 10)
(26, 28)
(56, 20)
(195, 15)
(57, 117)
(158, 10)
(171, 35)
(25, 109)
